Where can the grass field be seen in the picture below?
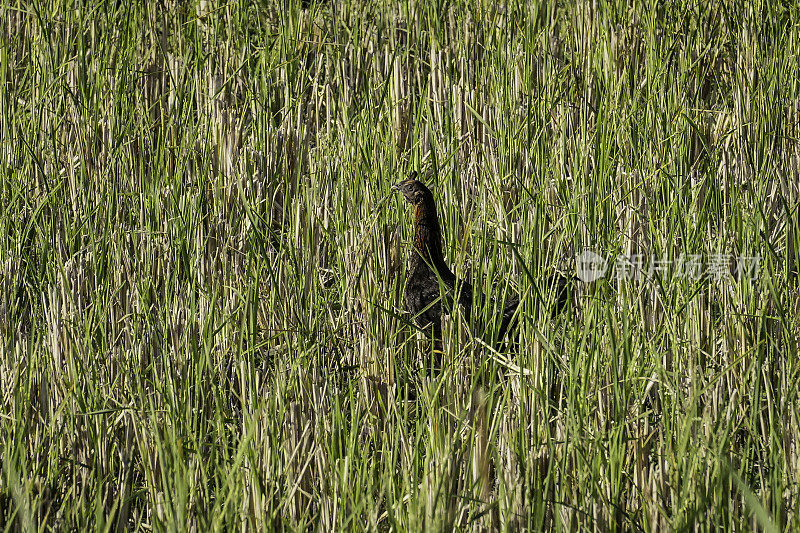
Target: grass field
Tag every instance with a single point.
(202, 265)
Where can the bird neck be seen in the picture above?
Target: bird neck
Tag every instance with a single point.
(428, 236)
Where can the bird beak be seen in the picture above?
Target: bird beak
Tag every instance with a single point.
(396, 187)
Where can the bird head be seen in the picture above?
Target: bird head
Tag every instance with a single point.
(413, 190)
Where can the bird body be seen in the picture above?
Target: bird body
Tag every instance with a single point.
(431, 287)
(430, 282)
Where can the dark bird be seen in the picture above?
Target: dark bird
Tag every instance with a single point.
(431, 287)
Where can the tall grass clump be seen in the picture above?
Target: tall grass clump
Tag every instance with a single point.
(202, 265)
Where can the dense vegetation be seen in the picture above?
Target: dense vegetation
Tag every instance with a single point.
(202, 263)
